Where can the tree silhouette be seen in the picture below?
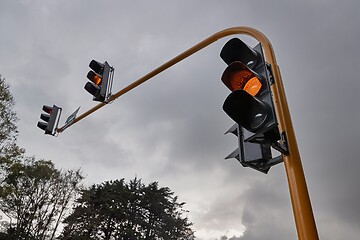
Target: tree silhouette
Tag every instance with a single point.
(35, 197)
(124, 211)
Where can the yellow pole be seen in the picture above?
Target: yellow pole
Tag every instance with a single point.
(303, 214)
(300, 199)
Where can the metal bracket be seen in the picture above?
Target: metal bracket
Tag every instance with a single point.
(269, 69)
(275, 161)
(281, 146)
(109, 86)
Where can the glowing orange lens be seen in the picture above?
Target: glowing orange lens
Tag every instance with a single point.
(96, 79)
(245, 80)
(253, 86)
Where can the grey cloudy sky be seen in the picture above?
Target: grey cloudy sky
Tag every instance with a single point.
(170, 129)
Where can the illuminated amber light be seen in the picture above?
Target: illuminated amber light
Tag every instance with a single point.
(253, 86)
(96, 79)
(245, 80)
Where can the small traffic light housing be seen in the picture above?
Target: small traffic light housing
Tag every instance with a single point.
(51, 119)
(253, 155)
(250, 104)
(101, 77)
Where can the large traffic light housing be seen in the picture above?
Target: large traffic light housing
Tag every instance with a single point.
(51, 119)
(101, 77)
(250, 105)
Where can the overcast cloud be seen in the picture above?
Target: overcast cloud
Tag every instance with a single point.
(170, 129)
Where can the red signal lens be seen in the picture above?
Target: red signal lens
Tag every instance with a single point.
(47, 109)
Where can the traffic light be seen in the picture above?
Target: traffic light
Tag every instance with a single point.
(101, 77)
(253, 155)
(250, 105)
(51, 119)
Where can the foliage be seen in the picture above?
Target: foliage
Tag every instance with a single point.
(8, 119)
(35, 197)
(120, 210)
(8, 130)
